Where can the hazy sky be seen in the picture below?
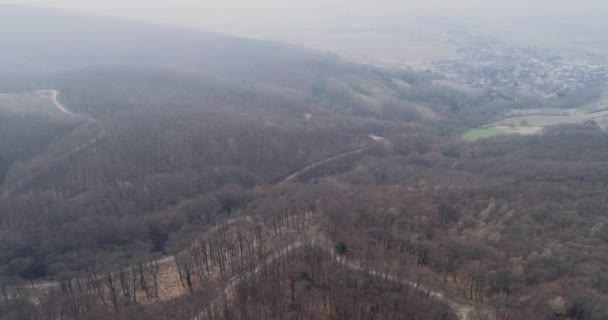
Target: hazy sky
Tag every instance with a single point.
(231, 15)
(168, 10)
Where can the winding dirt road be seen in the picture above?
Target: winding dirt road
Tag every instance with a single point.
(463, 312)
(283, 180)
(311, 238)
(53, 95)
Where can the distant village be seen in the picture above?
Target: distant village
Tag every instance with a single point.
(488, 64)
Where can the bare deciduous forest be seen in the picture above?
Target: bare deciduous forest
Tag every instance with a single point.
(212, 177)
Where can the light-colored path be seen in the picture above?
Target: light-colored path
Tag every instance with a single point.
(462, 311)
(374, 138)
(320, 163)
(53, 95)
(313, 239)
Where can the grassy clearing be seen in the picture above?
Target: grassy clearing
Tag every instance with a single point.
(483, 133)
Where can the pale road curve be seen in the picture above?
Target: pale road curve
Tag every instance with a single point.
(319, 163)
(462, 311)
(53, 96)
(374, 138)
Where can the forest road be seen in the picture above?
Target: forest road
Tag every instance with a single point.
(313, 239)
(294, 175)
(53, 95)
(463, 312)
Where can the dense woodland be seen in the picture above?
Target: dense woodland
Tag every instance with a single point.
(228, 178)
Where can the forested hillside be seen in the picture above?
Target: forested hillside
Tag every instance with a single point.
(178, 174)
(172, 115)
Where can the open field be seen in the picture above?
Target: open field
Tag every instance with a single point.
(544, 120)
(483, 133)
(533, 121)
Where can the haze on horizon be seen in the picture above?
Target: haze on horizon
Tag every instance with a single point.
(245, 17)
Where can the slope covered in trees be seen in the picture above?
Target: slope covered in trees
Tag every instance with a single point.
(183, 114)
(176, 208)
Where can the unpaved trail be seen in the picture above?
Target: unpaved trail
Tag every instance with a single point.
(312, 238)
(53, 95)
(208, 312)
(463, 312)
(291, 177)
(320, 163)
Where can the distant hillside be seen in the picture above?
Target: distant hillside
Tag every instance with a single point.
(43, 41)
